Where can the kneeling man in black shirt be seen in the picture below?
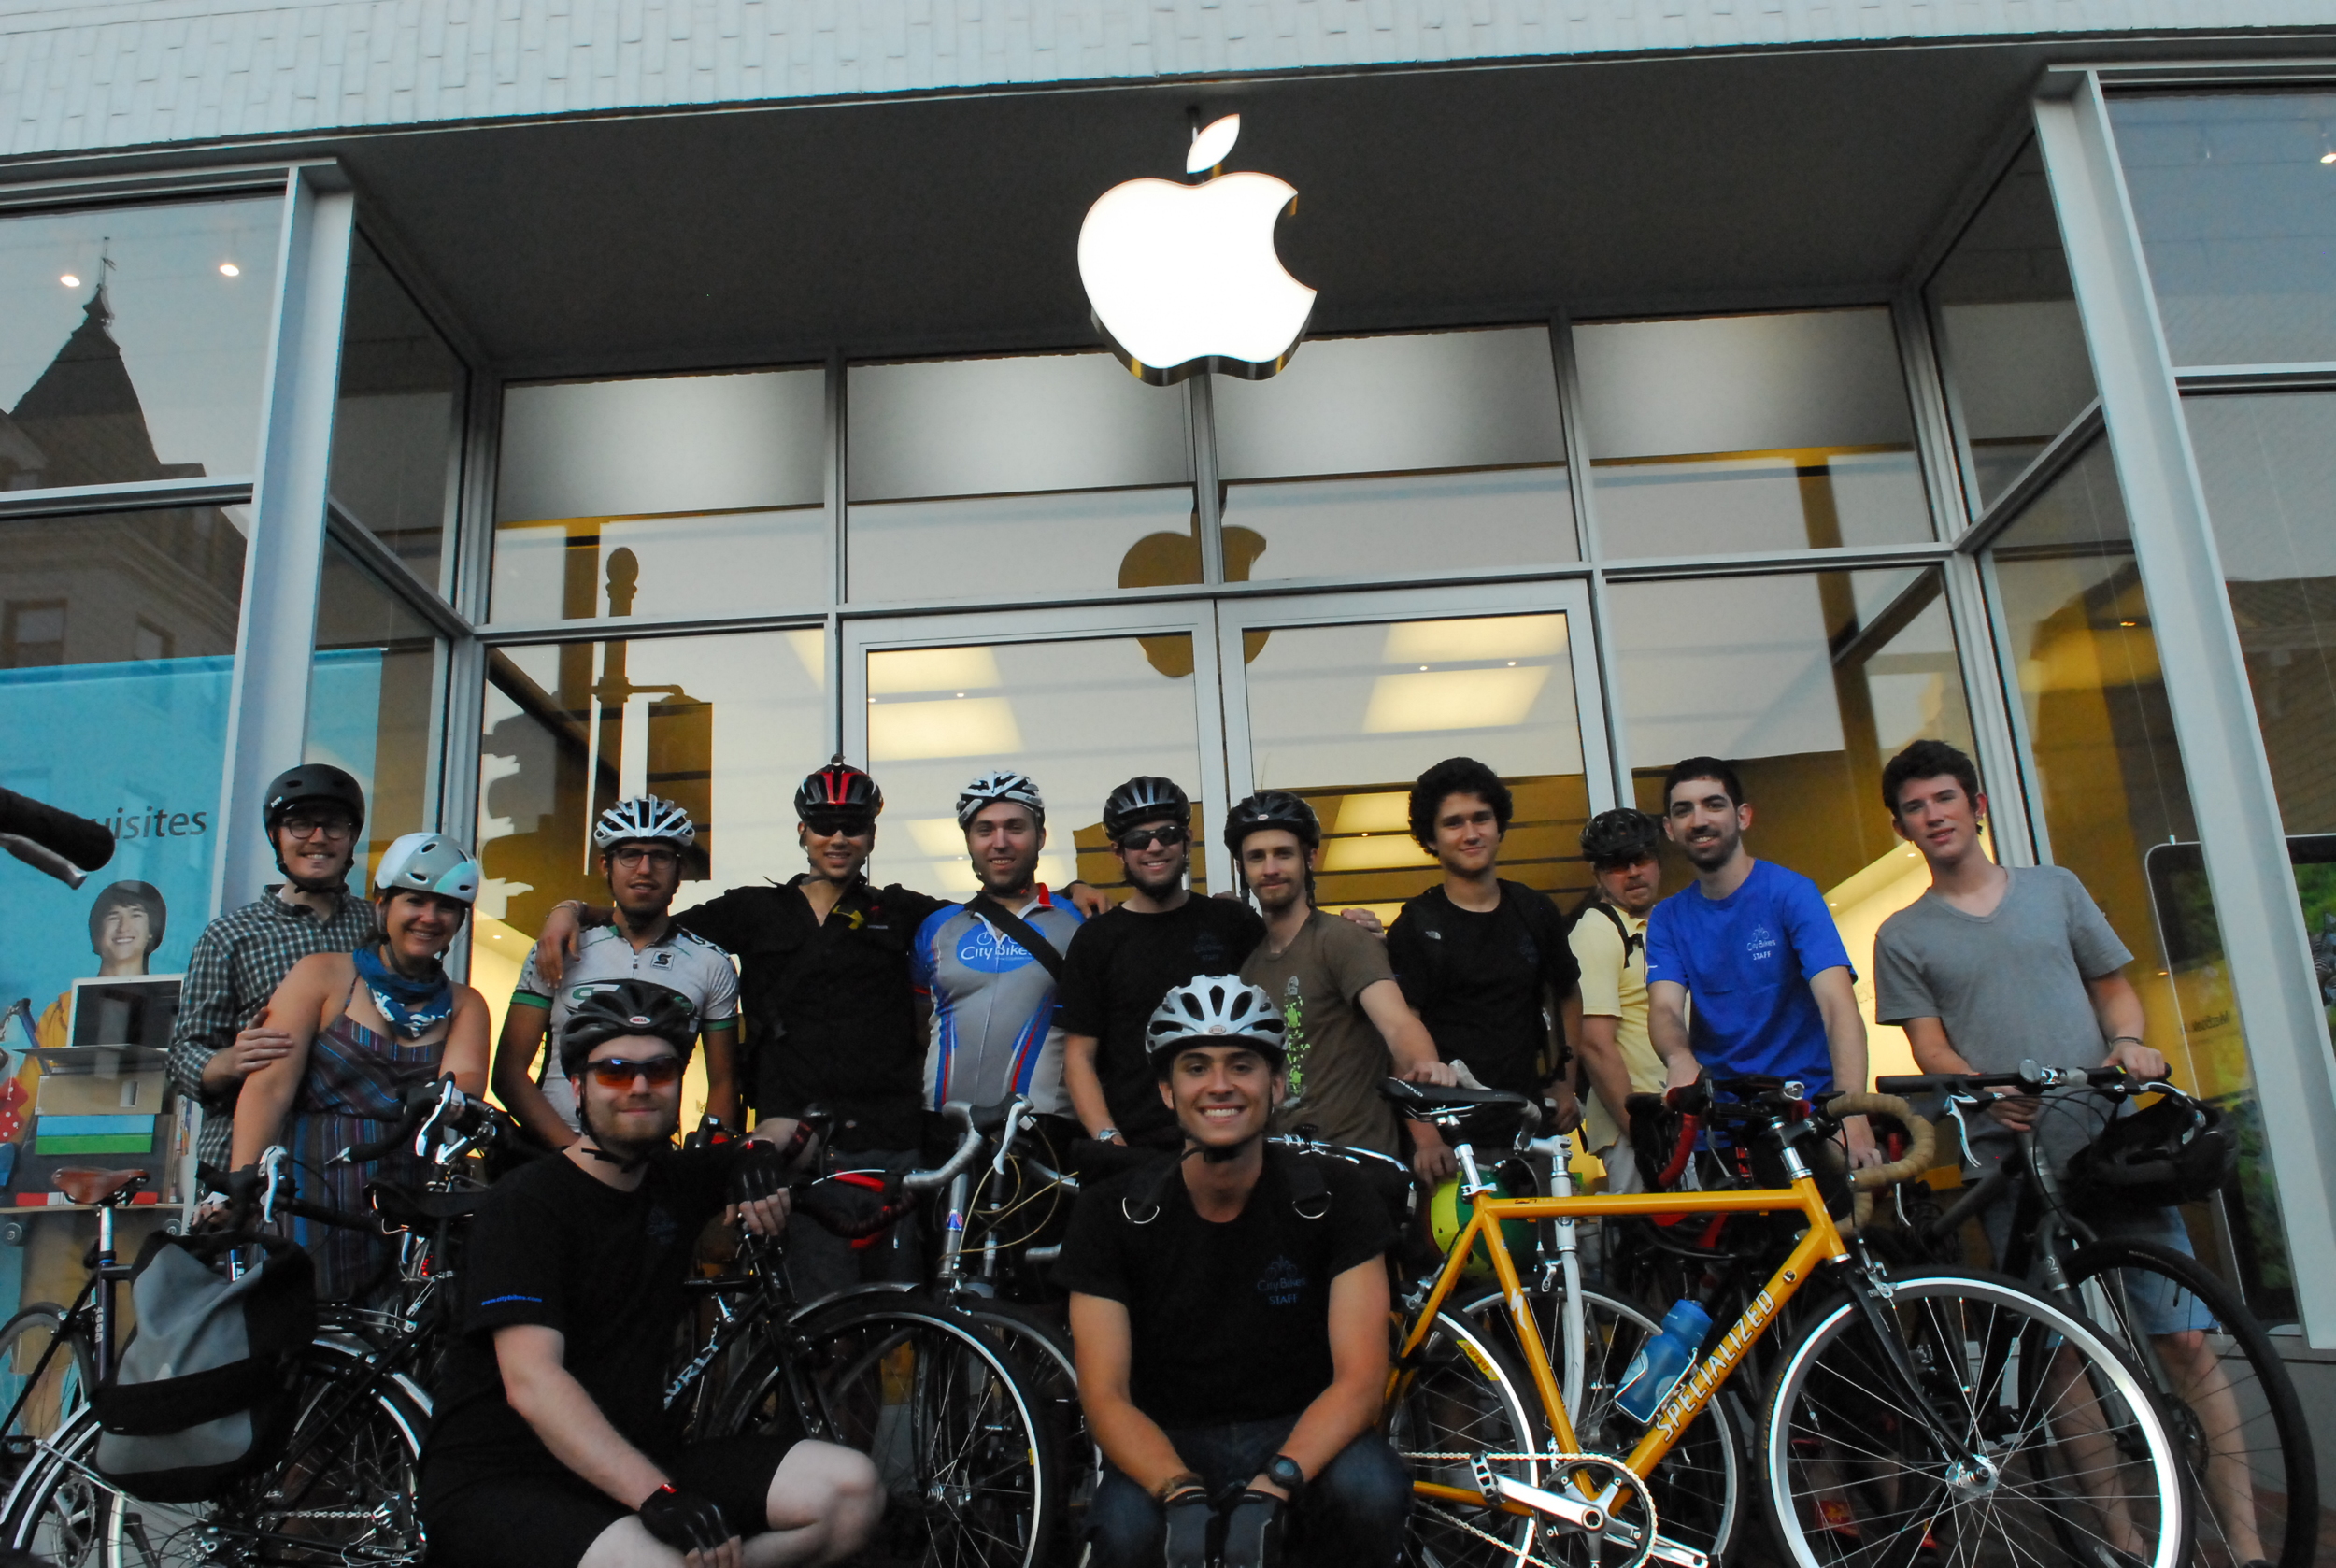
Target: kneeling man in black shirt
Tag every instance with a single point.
(1230, 1310)
(553, 1447)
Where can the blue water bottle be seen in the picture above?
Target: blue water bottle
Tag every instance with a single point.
(1662, 1360)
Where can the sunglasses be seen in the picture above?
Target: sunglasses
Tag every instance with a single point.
(827, 825)
(1144, 838)
(618, 1072)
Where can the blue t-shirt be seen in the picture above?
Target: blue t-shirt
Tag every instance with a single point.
(1745, 961)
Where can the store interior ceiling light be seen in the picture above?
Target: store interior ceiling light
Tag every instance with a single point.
(1378, 811)
(937, 836)
(974, 727)
(229, 269)
(69, 281)
(901, 671)
(1453, 700)
(1477, 639)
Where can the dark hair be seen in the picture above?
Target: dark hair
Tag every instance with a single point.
(1703, 767)
(126, 895)
(1457, 776)
(1928, 759)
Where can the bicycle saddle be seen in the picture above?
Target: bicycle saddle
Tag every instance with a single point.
(97, 1187)
(402, 1206)
(1424, 1102)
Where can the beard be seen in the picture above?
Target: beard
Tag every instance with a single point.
(598, 1119)
(997, 884)
(1169, 881)
(1712, 852)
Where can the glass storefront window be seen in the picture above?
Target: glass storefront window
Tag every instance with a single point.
(1749, 433)
(2011, 345)
(117, 651)
(134, 344)
(373, 688)
(1002, 477)
(1079, 716)
(1809, 682)
(1417, 453)
(710, 487)
(2231, 194)
(398, 426)
(2117, 810)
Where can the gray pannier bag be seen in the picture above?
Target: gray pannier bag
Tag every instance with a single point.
(207, 1388)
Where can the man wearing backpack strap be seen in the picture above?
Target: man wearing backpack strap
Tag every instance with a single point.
(1609, 941)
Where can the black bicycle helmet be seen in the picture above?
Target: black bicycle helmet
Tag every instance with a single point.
(2167, 1154)
(1145, 799)
(1271, 808)
(1215, 1010)
(839, 789)
(627, 1008)
(312, 784)
(1620, 836)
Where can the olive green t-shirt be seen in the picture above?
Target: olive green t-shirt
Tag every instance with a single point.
(1337, 1054)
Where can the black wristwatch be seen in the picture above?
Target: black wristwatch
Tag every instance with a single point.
(1284, 1473)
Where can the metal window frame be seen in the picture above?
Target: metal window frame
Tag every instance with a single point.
(2207, 691)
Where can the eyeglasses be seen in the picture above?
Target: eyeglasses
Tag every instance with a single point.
(1144, 838)
(334, 827)
(618, 1072)
(827, 824)
(642, 854)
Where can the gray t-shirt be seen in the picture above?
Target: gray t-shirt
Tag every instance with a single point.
(2009, 987)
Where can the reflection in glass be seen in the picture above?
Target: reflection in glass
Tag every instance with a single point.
(1078, 717)
(2231, 194)
(2269, 463)
(117, 651)
(1348, 715)
(397, 428)
(1007, 476)
(710, 486)
(373, 684)
(1412, 452)
(1749, 433)
(134, 343)
(2010, 341)
(2100, 737)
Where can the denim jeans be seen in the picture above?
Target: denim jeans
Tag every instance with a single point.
(1351, 1515)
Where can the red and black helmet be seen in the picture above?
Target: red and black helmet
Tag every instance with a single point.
(838, 790)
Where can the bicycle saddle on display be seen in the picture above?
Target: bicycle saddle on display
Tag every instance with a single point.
(403, 1207)
(98, 1187)
(1433, 1102)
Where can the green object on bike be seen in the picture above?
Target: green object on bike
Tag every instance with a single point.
(1447, 1217)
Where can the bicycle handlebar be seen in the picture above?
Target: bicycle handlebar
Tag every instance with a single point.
(1699, 1108)
(960, 1162)
(240, 1202)
(2032, 1078)
(1922, 1139)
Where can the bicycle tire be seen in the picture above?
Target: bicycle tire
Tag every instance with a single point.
(944, 1410)
(342, 1495)
(1698, 1485)
(1852, 1478)
(38, 1397)
(1464, 1395)
(1044, 1350)
(2275, 1443)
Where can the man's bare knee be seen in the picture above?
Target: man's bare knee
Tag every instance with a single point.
(834, 1489)
(628, 1544)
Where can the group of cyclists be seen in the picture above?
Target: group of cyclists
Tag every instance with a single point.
(1228, 1302)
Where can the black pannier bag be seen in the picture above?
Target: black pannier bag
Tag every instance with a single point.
(208, 1387)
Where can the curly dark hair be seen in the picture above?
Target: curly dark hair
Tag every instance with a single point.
(1714, 768)
(1457, 776)
(1928, 759)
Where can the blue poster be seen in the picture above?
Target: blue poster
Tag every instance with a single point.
(139, 745)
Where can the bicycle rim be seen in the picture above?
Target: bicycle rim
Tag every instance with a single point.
(2077, 1462)
(1043, 1354)
(1464, 1400)
(43, 1381)
(2247, 1443)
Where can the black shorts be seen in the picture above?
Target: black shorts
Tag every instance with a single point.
(552, 1520)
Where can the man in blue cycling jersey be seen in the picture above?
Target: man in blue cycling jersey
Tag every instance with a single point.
(987, 967)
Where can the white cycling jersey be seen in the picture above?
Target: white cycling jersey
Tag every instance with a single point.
(694, 967)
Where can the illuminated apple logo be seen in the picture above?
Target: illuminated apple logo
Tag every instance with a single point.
(1184, 278)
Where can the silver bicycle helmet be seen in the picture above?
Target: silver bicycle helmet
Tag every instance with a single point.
(1003, 784)
(644, 816)
(428, 862)
(1215, 1010)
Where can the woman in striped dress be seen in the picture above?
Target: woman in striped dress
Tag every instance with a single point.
(364, 1027)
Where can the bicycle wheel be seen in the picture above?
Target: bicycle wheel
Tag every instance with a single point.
(2241, 1426)
(2024, 1428)
(1698, 1485)
(945, 1412)
(45, 1380)
(341, 1493)
(1463, 1398)
(1041, 1351)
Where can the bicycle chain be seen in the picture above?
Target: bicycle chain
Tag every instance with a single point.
(1636, 1484)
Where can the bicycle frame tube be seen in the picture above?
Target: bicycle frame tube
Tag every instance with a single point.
(1821, 1244)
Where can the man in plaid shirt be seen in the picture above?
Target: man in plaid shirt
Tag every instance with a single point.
(314, 814)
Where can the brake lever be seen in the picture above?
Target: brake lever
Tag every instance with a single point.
(1012, 1130)
(271, 1177)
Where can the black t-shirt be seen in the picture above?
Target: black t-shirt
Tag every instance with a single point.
(1119, 965)
(830, 1017)
(553, 1246)
(1229, 1323)
(1477, 981)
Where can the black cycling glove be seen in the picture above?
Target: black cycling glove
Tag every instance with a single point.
(760, 1172)
(1253, 1531)
(684, 1520)
(1189, 1517)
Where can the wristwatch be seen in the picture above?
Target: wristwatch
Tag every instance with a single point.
(1105, 1134)
(1285, 1473)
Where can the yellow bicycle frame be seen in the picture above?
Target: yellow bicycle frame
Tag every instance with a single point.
(1821, 1244)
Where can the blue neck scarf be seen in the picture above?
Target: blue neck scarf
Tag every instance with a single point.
(413, 1008)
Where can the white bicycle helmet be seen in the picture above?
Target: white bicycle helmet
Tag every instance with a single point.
(1005, 784)
(428, 862)
(1215, 1010)
(644, 816)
